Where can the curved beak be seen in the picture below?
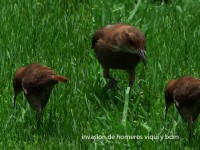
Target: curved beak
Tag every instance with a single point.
(166, 113)
(142, 54)
(15, 97)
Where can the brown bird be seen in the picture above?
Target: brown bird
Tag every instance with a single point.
(119, 46)
(37, 82)
(185, 93)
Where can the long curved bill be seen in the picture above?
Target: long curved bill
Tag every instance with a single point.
(15, 97)
(166, 113)
(142, 54)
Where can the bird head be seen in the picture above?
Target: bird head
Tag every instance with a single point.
(17, 82)
(137, 41)
(169, 95)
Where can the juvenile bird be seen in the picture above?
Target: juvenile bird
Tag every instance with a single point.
(119, 46)
(185, 93)
(37, 82)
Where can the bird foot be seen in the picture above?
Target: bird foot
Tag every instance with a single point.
(113, 84)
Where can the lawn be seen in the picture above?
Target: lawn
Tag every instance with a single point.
(83, 114)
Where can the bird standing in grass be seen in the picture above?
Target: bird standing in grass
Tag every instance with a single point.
(185, 93)
(37, 82)
(119, 46)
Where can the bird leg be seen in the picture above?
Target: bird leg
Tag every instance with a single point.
(112, 81)
(39, 116)
(131, 77)
(190, 123)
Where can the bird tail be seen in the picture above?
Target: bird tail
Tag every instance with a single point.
(59, 78)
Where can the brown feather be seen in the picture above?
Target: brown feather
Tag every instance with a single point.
(59, 78)
(119, 46)
(185, 93)
(37, 82)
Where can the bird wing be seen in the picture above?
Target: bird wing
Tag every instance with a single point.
(187, 89)
(109, 37)
(35, 77)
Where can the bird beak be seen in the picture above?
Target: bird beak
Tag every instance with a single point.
(15, 97)
(166, 113)
(142, 54)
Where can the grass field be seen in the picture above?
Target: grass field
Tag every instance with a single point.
(58, 34)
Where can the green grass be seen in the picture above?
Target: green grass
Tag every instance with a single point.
(58, 34)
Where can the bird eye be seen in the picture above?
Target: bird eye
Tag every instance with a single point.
(132, 42)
